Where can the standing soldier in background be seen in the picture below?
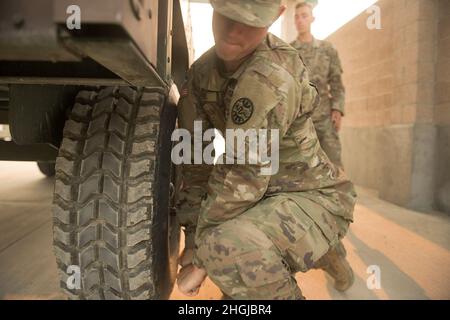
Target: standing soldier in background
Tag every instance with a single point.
(250, 232)
(325, 71)
(324, 67)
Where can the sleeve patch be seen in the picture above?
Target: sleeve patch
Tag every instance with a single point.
(242, 111)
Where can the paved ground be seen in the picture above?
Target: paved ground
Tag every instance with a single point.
(411, 249)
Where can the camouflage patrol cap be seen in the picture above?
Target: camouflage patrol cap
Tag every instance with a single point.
(312, 3)
(255, 13)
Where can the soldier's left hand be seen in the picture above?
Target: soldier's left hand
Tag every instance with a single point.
(336, 118)
(190, 279)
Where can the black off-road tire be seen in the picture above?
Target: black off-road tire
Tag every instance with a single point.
(111, 202)
(47, 168)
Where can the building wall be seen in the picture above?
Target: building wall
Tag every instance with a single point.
(397, 126)
(442, 102)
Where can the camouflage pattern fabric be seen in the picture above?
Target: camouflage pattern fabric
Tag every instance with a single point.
(314, 197)
(255, 13)
(329, 139)
(325, 70)
(312, 3)
(256, 255)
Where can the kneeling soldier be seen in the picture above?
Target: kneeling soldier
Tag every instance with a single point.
(253, 231)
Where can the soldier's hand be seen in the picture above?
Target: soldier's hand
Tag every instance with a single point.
(190, 279)
(336, 118)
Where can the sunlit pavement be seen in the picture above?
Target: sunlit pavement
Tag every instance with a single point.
(411, 249)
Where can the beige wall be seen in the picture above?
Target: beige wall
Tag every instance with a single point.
(442, 106)
(389, 73)
(442, 112)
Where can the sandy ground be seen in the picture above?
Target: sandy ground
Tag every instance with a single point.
(411, 249)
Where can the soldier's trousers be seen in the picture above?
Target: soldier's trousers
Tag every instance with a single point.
(329, 139)
(256, 255)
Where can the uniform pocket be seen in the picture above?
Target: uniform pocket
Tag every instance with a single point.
(261, 269)
(305, 252)
(308, 247)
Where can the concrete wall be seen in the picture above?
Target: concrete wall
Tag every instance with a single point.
(397, 129)
(442, 102)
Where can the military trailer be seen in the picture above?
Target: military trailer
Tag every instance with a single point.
(88, 90)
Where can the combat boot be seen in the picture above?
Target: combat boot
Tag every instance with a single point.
(336, 265)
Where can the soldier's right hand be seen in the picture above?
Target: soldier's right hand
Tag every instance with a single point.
(336, 118)
(190, 279)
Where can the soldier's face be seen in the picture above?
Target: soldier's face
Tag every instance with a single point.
(303, 19)
(235, 40)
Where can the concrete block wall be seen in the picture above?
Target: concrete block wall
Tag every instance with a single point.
(442, 106)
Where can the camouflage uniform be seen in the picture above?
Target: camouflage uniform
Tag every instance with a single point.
(325, 70)
(254, 232)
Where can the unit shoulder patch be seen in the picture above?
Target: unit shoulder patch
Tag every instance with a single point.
(242, 111)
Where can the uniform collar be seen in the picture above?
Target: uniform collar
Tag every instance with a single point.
(215, 78)
(314, 43)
